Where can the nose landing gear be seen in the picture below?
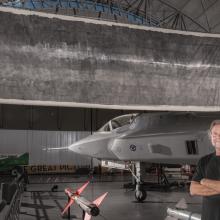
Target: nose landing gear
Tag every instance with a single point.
(140, 193)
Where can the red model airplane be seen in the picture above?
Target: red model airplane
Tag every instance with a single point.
(89, 208)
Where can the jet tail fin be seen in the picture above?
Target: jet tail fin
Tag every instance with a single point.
(182, 204)
(81, 189)
(67, 206)
(87, 216)
(99, 200)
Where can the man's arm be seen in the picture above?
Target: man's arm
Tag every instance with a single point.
(212, 184)
(201, 190)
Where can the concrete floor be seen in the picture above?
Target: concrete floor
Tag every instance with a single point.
(40, 203)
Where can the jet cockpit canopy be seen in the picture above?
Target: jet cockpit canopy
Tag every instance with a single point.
(118, 122)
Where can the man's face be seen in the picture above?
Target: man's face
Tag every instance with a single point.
(215, 136)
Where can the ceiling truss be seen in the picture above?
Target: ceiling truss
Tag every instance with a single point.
(158, 13)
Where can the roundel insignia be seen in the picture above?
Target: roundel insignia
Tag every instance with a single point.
(132, 147)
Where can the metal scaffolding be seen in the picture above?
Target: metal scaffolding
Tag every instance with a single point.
(156, 13)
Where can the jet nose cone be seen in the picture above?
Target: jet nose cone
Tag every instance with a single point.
(83, 146)
(76, 148)
(95, 145)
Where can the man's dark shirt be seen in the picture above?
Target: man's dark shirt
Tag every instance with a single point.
(209, 167)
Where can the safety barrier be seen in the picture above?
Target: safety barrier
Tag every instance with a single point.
(11, 198)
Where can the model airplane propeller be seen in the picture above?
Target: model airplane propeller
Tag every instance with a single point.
(89, 208)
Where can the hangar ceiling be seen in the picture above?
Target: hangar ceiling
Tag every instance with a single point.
(188, 15)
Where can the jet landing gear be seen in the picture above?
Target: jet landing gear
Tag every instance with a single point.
(140, 193)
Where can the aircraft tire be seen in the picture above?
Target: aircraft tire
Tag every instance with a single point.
(140, 195)
(16, 171)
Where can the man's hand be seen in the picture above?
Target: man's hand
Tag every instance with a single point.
(212, 184)
(203, 181)
(198, 189)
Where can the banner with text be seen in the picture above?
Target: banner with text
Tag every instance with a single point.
(48, 169)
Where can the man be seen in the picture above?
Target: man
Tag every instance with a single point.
(206, 179)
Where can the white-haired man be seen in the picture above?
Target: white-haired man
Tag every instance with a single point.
(206, 179)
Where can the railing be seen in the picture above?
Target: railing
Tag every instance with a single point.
(11, 198)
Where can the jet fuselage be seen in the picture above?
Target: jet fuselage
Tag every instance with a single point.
(174, 138)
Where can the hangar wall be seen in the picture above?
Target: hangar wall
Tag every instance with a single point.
(37, 143)
(35, 129)
(23, 117)
(61, 60)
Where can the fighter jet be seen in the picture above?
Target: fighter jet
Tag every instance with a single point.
(169, 138)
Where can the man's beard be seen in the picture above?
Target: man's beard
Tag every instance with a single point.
(217, 144)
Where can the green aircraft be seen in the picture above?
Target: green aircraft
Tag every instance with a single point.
(9, 162)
